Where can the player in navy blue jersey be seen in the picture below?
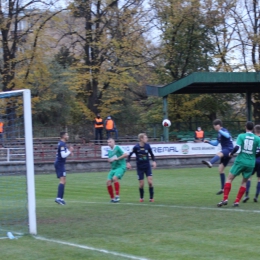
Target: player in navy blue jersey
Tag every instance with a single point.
(256, 169)
(225, 140)
(142, 150)
(62, 153)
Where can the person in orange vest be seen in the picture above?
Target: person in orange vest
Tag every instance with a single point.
(2, 133)
(110, 127)
(199, 134)
(99, 125)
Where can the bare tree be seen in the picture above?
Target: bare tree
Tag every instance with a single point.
(18, 20)
(111, 46)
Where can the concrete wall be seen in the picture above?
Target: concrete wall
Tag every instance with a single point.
(103, 165)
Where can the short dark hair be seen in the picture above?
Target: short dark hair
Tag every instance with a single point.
(62, 133)
(249, 125)
(217, 122)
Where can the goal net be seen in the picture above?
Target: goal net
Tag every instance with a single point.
(17, 188)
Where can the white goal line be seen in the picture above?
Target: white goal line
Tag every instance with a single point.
(91, 248)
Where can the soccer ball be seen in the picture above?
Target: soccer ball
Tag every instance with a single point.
(166, 123)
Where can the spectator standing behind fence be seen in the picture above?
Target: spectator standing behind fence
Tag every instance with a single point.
(2, 133)
(99, 125)
(110, 127)
(199, 135)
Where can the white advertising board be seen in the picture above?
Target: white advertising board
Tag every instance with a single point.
(172, 149)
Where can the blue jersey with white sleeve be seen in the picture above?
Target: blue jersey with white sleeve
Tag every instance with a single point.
(61, 148)
(142, 155)
(225, 139)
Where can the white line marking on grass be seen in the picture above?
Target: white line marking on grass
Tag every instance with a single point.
(175, 206)
(91, 248)
(3, 237)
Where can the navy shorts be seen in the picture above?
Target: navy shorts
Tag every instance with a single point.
(257, 169)
(60, 170)
(144, 171)
(225, 159)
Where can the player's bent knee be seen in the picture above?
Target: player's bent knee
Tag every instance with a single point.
(115, 179)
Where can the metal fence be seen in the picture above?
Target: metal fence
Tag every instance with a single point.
(130, 131)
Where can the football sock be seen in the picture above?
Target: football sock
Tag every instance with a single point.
(257, 190)
(110, 191)
(141, 191)
(240, 193)
(248, 184)
(222, 180)
(60, 191)
(214, 159)
(227, 189)
(151, 192)
(117, 187)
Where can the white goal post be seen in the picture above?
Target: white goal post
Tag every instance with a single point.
(28, 145)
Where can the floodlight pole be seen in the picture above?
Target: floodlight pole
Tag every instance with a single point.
(249, 106)
(165, 116)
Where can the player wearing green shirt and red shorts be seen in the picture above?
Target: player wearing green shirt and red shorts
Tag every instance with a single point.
(244, 163)
(116, 158)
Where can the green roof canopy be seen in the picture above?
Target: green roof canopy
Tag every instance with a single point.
(210, 82)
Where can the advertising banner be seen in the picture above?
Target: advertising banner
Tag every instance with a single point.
(172, 149)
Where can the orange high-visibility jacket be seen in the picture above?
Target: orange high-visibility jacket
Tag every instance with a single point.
(99, 120)
(109, 124)
(199, 134)
(1, 127)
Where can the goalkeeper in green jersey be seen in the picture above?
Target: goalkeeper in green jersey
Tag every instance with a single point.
(116, 157)
(244, 163)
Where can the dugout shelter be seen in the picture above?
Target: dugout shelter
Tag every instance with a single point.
(209, 82)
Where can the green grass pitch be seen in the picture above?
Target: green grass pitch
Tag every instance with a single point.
(183, 223)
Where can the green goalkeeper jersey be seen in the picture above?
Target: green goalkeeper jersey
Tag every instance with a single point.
(248, 143)
(117, 152)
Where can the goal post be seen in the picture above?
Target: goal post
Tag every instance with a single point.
(17, 142)
(29, 161)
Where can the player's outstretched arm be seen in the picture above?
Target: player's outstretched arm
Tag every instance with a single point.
(129, 157)
(213, 142)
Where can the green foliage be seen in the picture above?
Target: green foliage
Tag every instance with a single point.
(187, 46)
(106, 56)
(54, 99)
(113, 48)
(64, 57)
(186, 43)
(205, 107)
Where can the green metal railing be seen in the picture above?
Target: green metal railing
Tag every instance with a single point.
(130, 131)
